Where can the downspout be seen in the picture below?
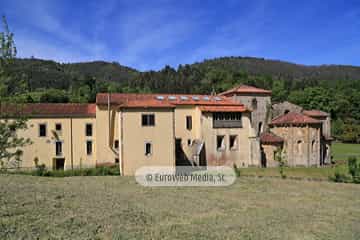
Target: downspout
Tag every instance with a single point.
(71, 144)
(109, 120)
(121, 145)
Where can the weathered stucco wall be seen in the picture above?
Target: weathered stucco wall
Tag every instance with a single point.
(134, 136)
(106, 134)
(43, 148)
(240, 155)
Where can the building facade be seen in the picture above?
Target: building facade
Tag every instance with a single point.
(136, 130)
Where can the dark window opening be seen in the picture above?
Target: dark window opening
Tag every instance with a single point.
(148, 120)
(286, 111)
(233, 142)
(259, 128)
(116, 160)
(148, 149)
(189, 142)
(220, 143)
(254, 104)
(188, 122)
(42, 130)
(89, 149)
(116, 144)
(58, 127)
(89, 130)
(58, 148)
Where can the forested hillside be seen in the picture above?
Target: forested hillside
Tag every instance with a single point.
(331, 88)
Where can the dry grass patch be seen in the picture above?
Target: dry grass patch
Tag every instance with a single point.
(118, 208)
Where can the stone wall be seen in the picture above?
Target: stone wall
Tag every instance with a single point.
(301, 144)
(282, 108)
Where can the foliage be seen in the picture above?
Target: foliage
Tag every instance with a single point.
(10, 142)
(354, 169)
(99, 171)
(237, 170)
(279, 157)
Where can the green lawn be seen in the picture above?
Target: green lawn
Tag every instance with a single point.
(341, 151)
(118, 208)
(313, 173)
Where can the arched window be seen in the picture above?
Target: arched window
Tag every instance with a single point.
(286, 111)
(313, 146)
(254, 104)
(299, 146)
(259, 128)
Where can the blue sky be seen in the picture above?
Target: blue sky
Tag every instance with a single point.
(150, 34)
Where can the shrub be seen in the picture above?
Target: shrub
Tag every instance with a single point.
(354, 169)
(340, 177)
(236, 170)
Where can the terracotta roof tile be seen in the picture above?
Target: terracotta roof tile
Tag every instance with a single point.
(315, 113)
(245, 89)
(48, 109)
(271, 138)
(223, 109)
(294, 118)
(163, 100)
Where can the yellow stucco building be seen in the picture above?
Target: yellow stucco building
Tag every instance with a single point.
(135, 130)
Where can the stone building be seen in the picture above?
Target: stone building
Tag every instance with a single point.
(302, 138)
(259, 102)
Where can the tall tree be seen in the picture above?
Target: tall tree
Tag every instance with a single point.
(10, 141)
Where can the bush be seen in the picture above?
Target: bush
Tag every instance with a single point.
(354, 169)
(236, 170)
(340, 177)
(98, 171)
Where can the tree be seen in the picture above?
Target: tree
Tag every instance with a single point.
(10, 142)
(7, 54)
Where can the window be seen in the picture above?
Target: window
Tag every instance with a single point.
(116, 144)
(189, 142)
(227, 120)
(88, 130)
(220, 143)
(188, 122)
(58, 148)
(254, 104)
(233, 142)
(286, 111)
(148, 120)
(259, 128)
(148, 149)
(89, 147)
(58, 128)
(42, 130)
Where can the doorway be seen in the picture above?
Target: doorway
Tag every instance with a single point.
(59, 164)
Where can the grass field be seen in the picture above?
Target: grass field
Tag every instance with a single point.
(341, 151)
(118, 208)
(313, 173)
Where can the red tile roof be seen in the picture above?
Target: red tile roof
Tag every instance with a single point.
(163, 100)
(48, 110)
(270, 138)
(245, 89)
(223, 109)
(294, 118)
(315, 113)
